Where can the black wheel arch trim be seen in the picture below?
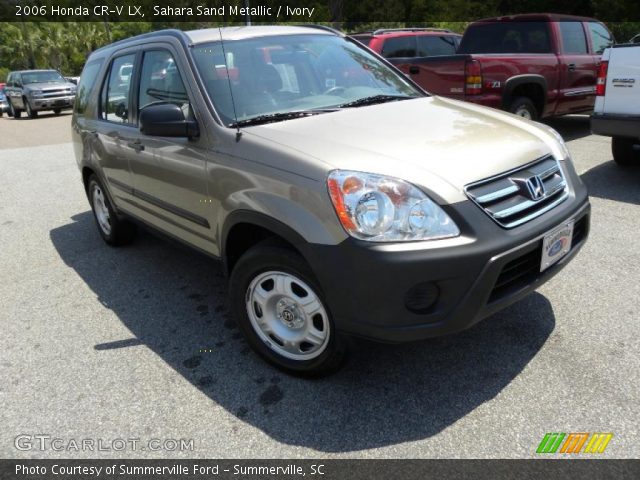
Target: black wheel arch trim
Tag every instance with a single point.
(260, 220)
(529, 78)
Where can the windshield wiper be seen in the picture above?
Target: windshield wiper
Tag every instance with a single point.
(373, 100)
(279, 117)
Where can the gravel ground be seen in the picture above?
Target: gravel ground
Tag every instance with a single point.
(136, 343)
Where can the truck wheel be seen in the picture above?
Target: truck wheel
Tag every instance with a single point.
(281, 311)
(623, 151)
(14, 112)
(523, 107)
(30, 112)
(114, 231)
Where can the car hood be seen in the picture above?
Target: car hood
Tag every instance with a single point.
(48, 86)
(439, 144)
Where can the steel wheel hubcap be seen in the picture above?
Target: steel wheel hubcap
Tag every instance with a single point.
(524, 113)
(287, 315)
(102, 212)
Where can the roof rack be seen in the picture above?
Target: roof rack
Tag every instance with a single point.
(322, 27)
(382, 31)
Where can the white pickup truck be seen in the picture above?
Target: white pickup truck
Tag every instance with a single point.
(617, 108)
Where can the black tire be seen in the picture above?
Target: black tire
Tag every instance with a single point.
(120, 231)
(266, 257)
(14, 112)
(523, 107)
(1, 113)
(56, 111)
(623, 151)
(30, 112)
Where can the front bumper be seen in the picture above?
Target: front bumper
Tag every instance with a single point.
(370, 288)
(63, 103)
(611, 125)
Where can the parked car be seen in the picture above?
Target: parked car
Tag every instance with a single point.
(410, 43)
(533, 65)
(617, 110)
(33, 91)
(339, 205)
(4, 105)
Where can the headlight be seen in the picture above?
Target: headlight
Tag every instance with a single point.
(36, 93)
(385, 209)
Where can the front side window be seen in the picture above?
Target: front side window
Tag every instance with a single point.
(600, 37)
(160, 80)
(289, 73)
(116, 90)
(573, 39)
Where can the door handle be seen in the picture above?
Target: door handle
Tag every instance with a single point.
(414, 70)
(572, 67)
(137, 145)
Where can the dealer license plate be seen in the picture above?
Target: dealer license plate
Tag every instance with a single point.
(556, 244)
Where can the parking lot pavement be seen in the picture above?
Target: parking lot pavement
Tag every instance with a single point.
(136, 343)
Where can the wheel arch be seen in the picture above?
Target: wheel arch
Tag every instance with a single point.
(532, 86)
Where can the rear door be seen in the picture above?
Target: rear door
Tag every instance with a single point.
(578, 71)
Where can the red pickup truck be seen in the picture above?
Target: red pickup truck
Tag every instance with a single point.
(533, 65)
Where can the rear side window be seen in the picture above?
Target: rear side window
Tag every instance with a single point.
(573, 39)
(363, 39)
(116, 91)
(429, 45)
(85, 86)
(600, 37)
(399, 47)
(507, 37)
(160, 80)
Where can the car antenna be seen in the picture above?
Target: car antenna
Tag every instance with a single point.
(233, 103)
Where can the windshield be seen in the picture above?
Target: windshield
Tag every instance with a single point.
(50, 76)
(293, 73)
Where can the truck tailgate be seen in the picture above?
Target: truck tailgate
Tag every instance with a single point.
(440, 75)
(623, 81)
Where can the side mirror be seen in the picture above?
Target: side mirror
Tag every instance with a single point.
(166, 120)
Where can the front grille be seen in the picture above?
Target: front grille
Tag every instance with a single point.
(56, 93)
(515, 197)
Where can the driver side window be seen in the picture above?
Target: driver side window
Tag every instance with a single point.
(160, 81)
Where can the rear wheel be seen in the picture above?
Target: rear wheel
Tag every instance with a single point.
(57, 111)
(114, 230)
(30, 112)
(523, 107)
(280, 308)
(624, 150)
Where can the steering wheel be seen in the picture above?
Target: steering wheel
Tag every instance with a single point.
(334, 90)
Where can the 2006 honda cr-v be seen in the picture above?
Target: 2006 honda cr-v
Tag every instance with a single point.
(341, 197)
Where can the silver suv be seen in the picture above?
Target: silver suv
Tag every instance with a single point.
(33, 91)
(341, 198)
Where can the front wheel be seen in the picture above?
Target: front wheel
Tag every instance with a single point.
(31, 113)
(14, 112)
(523, 107)
(56, 111)
(115, 231)
(623, 150)
(280, 309)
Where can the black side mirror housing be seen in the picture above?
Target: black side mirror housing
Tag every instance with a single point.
(166, 120)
